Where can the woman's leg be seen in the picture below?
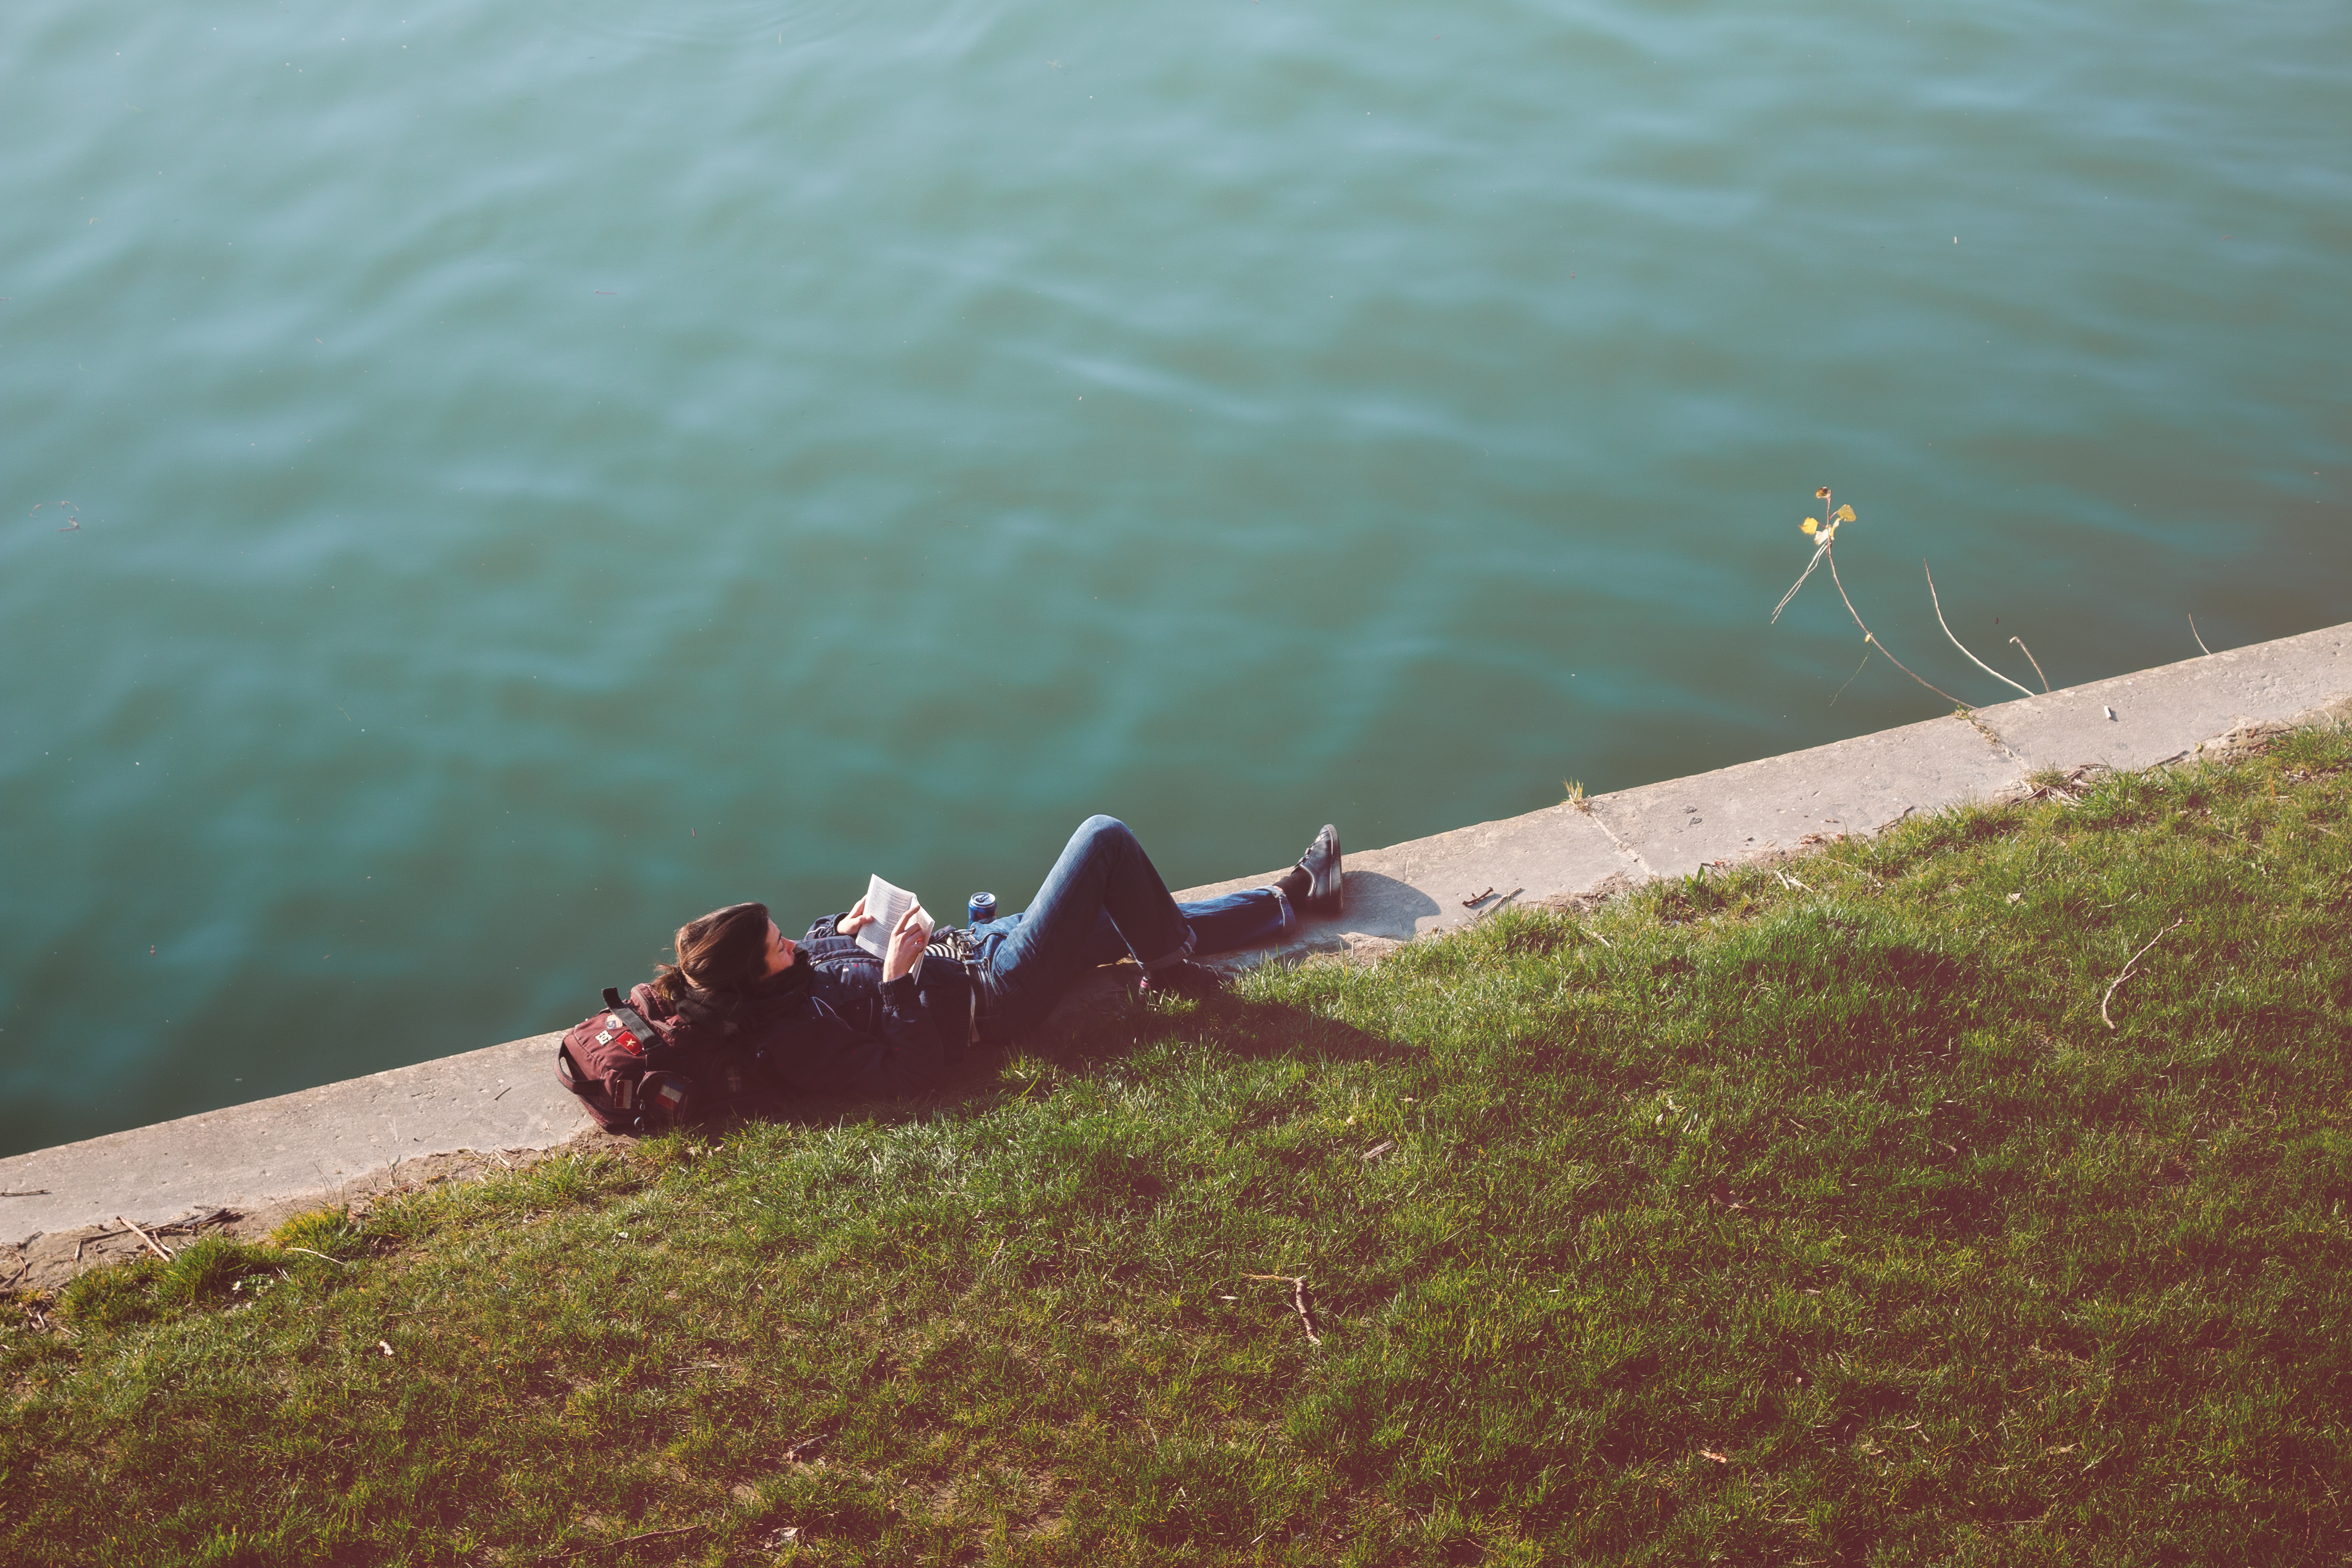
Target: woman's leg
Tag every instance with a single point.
(1103, 879)
(1230, 922)
(1235, 922)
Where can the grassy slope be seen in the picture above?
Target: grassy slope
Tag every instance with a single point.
(1789, 1224)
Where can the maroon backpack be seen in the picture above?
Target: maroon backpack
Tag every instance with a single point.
(635, 1064)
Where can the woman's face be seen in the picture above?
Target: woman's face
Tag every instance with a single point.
(780, 949)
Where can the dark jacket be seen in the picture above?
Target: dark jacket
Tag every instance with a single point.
(827, 1024)
(848, 979)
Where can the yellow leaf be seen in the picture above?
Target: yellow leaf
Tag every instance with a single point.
(1845, 514)
(1811, 523)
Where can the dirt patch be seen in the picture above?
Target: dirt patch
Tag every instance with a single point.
(48, 1261)
(1616, 885)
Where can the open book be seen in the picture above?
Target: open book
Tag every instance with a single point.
(888, 906)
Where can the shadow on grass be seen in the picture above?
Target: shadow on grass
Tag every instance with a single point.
(1833, 998)
(1099, 1026)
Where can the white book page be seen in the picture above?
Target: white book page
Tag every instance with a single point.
(888, 906)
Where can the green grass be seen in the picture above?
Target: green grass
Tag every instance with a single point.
(1735, 1221)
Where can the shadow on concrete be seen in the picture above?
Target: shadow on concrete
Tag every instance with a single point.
(1378, 906)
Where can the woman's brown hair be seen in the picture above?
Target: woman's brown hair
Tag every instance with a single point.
(726, 950)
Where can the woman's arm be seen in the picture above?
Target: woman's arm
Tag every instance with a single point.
(906, 948)
(906, 944)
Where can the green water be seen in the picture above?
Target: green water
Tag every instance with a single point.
(544, 471)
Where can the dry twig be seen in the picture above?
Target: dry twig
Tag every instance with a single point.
(625, 1540)
(336, 1261)
(2126, 974)
(154, 1245)
(1301, 1299)
(1306, 1305)
(2201, 641)
(1501, 901)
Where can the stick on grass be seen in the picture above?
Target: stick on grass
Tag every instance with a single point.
(1306, 1305)
(1302, 1301)
(2126, 974)
(625, 1540)
(336, 1261)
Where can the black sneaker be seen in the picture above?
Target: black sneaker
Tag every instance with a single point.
(1321, 864)
(1181, 978)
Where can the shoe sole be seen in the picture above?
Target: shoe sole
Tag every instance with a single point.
(1326, 900)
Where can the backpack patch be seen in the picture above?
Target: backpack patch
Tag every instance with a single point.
(640, 1064)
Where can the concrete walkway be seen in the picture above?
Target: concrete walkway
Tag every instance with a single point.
(349, 1137)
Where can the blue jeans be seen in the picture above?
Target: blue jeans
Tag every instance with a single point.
(1102, 902)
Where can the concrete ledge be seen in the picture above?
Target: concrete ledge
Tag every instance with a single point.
(346, 1137)
(2161, 715)
(1848, 786)
(1423, 886)
(313, 1141)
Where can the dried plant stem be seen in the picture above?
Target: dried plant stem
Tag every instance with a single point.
(1820, 551)
(2201, 641)
(1870, 637)
(1939, 603)
(1305, 1303)
(1852, 679)
(2126, 974)
(154, 1245)
(625, 1540)
(2034, 662)
(1302, 1301)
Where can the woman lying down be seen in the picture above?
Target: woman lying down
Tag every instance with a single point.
(747, 1006)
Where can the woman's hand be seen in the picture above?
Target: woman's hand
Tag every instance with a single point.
(906, 942)
(855, 921)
